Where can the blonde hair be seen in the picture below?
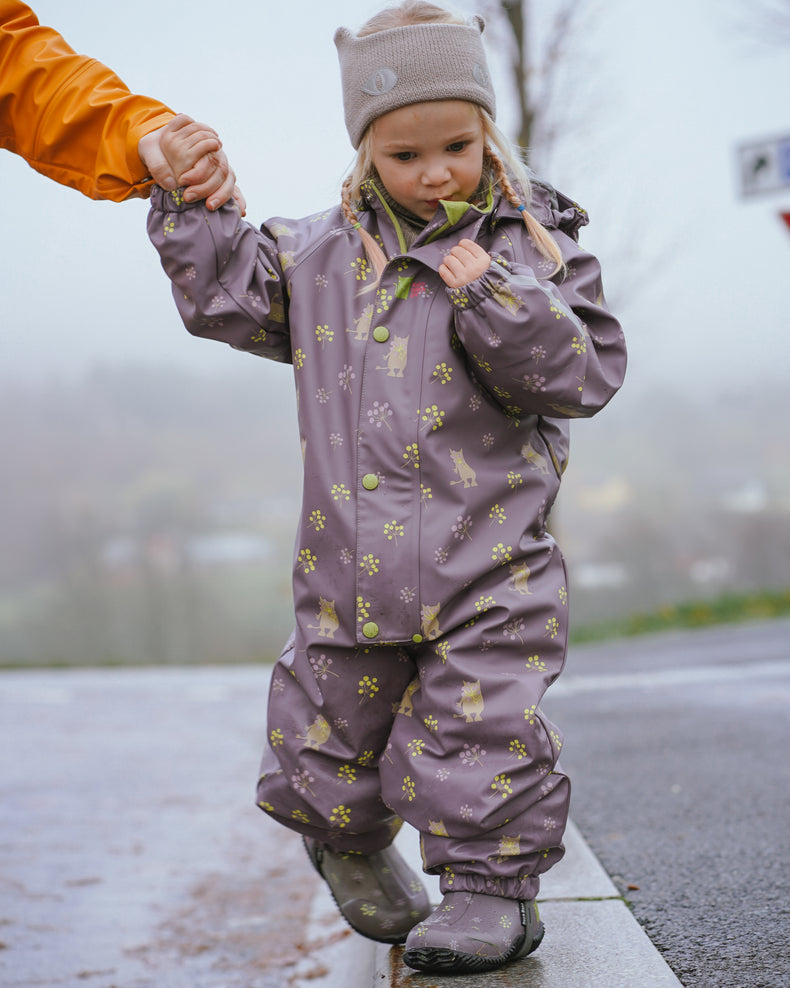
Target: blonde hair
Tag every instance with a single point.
(508, 169)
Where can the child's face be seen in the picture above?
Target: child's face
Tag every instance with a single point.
(429, 151)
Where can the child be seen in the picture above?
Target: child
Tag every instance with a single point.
(443, 326)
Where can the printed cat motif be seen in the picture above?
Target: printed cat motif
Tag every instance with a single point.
(397, 356)
(406, 705)
(429, 619)
(466, 474)
(316, 733)
(361, 329)
(471, 704)
(536, 460)
(509, 847)
(519, 577)
(327, 619)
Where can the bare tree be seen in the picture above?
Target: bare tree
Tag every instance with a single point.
(541, 49)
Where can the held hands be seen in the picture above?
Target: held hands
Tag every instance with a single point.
(465, 262)
(188, 154)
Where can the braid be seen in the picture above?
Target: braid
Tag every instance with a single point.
(374, 253)
(544, 241)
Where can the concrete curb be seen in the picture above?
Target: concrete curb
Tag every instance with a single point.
(592, 938)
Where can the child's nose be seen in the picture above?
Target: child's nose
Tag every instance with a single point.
(435, 173)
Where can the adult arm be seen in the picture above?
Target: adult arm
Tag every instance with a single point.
(72, 119)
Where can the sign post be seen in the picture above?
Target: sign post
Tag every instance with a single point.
(764, 166)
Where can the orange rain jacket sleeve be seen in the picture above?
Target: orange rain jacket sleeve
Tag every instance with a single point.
(70, 117)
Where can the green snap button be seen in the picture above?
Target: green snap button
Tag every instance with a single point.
(381, 334)
(416, 639)
(370, 630)
(370, 481)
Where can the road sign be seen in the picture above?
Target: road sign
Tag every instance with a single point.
(764, 166)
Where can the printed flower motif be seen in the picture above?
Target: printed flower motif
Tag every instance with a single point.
(392, 530)
(442, 649)
(517, 748)
(466, 812)
(301, 781)
(441, 555)
(533, 383)
(475, 402)
(536, 664)
(276, 738)
(488, 440)
(485, 603)
(346, 557)
(307, 560)
(341, 724)
(579, 344)
(360, 268)
(461, 528)
(217, 301)
(340, 816)
(317, 520)
(321, 281)
(347, 773)
(190, 273)
(299, 815)
(472, 755)
(549, 823)
(324, 334)
(514, 479)
(497, 514)
(426, 494)
(379, 414)
(415, 747)
(368, 687)
(443, 774)
(366, 758)
(320, 667)
(502, 785)
(563, 593)
(552, 627)
(432, 724)
(370, 563)
(322, 396)
(345, 377)
(408, 788)
(340, 492)
(408, 594)
(335, 440)
(529, 714)
(169, 225)
(501, 553)
(433, 416)
(363, 609)
(514, 628)
(538, 353)
(442, 373)
(412, 455)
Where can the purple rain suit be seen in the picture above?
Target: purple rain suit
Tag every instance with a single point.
(430, 602)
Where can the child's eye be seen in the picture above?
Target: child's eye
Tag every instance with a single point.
(404, 156)
(457, 146)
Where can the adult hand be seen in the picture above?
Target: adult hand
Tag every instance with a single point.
(465, 262)
(188, 154)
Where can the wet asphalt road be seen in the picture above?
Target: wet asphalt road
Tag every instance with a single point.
(678, 750)
(131, 854)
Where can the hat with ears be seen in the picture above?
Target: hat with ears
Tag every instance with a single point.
(415, 63)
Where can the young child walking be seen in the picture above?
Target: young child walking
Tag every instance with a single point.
(443, 326)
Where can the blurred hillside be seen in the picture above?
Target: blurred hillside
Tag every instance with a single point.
(148, 515)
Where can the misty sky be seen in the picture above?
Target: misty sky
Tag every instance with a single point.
(662, 95)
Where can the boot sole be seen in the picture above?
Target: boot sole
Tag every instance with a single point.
(446, 961)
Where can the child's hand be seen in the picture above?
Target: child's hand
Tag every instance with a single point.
(189, 154)
(465, 262)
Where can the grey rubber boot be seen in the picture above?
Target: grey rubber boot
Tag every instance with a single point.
(378, 894)
(472, 932)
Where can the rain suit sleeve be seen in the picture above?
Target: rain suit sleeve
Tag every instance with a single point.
(540, 347)
(226, 275)
(70, 117)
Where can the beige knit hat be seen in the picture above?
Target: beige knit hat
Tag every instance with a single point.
(412, 64)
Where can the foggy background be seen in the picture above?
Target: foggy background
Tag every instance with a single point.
(150, 481)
